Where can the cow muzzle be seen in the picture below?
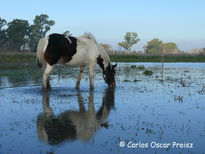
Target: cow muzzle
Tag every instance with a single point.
(112, 84)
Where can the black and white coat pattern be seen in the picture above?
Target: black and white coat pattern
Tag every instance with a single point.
(71, 125)
(81, 51)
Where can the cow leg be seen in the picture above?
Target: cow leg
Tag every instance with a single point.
(91, 107)
(80, 77)
(46, 79)
(46, 106)
(91, 75)
(80, 102)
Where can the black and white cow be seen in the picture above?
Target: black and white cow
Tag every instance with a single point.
(71, 124)
(74, 51)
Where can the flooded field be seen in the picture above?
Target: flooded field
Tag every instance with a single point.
(141, 115)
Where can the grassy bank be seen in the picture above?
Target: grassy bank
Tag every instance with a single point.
(158, 58)
(30, 57)
(17, 57)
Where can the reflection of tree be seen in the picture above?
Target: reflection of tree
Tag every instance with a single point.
(16, 77)
(71, 125)
(129, 73)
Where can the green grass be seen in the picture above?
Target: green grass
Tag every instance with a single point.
(17, 57)
(30, 57)
(157, 58)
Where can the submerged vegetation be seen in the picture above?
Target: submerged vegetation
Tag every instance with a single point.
(147, 72)
(133, 66)
(141, 67)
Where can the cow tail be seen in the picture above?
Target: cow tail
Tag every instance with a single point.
(42, 45)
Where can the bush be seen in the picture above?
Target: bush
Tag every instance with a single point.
(133, 66)
(141, 67)
(147, 72)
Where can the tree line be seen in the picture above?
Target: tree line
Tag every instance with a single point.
(19, 35)
(155, 46)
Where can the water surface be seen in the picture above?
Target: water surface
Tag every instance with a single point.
(140, 110)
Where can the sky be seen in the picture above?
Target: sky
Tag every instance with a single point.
(179, 21)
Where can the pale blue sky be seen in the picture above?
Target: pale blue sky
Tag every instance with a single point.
(179, 21)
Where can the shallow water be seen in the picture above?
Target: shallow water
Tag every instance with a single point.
(141, 111)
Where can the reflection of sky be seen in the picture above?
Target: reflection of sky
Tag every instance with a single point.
(176, 21)
(146, 110)
(4, 82)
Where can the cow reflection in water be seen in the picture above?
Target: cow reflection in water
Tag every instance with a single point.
(71, 125)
